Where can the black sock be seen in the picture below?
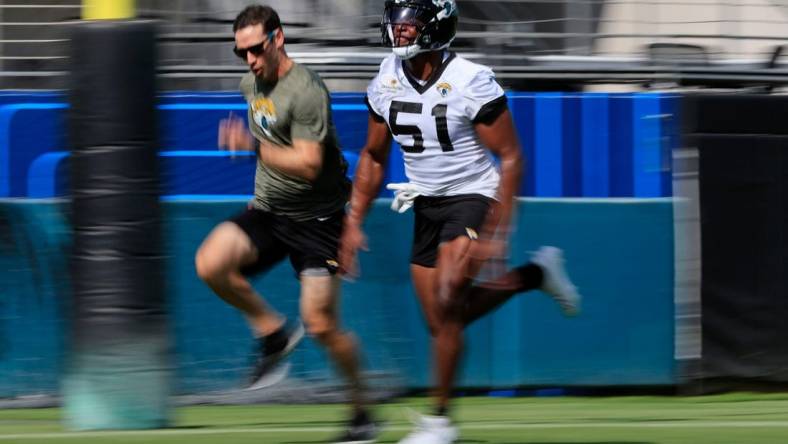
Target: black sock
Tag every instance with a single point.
(531, 276)
(276, 341)
(360, 418)
(441, 411)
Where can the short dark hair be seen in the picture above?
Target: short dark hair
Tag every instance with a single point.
(256, 15)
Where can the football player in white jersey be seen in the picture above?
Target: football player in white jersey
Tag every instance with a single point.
(449, 116)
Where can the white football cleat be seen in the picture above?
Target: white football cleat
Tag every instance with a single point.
(555, 281)
(432, 430)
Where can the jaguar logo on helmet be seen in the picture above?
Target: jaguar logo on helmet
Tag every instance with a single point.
(435, 22)
(447, 7)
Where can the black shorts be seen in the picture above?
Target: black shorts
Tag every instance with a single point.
(441, 219)
(308, 244)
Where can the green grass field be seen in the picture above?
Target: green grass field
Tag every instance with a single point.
(723, 419)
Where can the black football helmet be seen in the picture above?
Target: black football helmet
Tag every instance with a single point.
(435, 22)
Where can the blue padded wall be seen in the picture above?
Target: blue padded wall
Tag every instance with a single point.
(591, 145)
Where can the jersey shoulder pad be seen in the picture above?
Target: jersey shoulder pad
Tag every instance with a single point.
(480, 89)
(472, 74)
(384, 85)
(386, 78)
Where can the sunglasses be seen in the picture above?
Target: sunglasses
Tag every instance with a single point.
(257, 49)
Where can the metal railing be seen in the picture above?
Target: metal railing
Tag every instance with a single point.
(524, 41)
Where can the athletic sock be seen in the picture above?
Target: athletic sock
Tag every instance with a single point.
(276, 341)
(531, 276)
(360, 418)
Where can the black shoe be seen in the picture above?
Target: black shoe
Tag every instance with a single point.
(272, 349)
(360, 430)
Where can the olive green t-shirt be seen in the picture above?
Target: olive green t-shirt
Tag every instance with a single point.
(297, 106)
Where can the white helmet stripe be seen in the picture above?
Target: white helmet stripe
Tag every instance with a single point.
(390, 31)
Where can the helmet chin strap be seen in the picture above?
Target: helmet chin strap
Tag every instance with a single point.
(410, 51)
(407, 52)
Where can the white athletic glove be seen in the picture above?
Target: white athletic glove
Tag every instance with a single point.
(404, 195)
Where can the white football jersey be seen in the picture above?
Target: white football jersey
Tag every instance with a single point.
(434, 124)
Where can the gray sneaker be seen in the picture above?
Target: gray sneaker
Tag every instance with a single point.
(269, 369)
(359, 433)
(555, 282)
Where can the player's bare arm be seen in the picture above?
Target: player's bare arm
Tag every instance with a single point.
(499, 137)
(370, 169)
(366, 185)
(304, 159)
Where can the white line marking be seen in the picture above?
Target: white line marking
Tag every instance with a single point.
(467, 426)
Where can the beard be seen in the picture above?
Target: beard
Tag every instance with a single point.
(269, 73)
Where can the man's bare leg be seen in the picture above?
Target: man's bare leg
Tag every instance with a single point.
(218, 262)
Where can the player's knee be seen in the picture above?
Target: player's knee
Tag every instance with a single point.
(319, 323)
(318, 310)
(449, 310)
(322, 329)
(202, 265)
(207, 267)
(449, 291)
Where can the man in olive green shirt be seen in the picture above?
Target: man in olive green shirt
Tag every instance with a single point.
(297, 212)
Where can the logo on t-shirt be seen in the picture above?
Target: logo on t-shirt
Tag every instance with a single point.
(264, 113)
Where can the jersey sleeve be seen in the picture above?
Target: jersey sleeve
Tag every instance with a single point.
(373, 101)
(311, 114)
(484, 98)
